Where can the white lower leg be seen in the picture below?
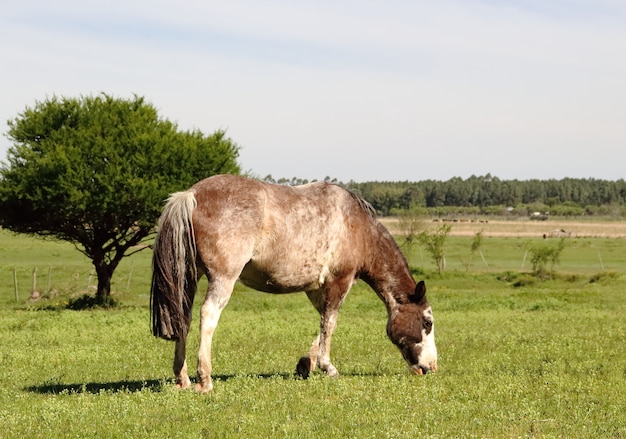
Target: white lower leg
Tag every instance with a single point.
(207, 328)
(210, 313)
(328, 327)
(314, 351)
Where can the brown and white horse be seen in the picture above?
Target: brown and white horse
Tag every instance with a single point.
(317, 238)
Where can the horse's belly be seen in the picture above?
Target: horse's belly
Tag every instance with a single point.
(284, 279)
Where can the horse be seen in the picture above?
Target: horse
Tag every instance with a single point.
(317, 238)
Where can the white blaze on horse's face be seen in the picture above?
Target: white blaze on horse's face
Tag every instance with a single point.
(411, 328)
(427, 357)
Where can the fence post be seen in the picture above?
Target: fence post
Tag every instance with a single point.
(483, 258)
(601, 263)
(15, 284)
(130, 274)
(34, 280)
(89, 279)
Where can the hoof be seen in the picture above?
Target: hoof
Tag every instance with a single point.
(183, 384)
(204, 389)
(330, 370)
(304, 367)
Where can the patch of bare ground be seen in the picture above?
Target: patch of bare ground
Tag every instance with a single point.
(523, 228)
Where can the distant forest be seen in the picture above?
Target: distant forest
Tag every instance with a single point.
(489, 195)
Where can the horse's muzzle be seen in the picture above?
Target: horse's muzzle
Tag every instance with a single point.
(418, 369)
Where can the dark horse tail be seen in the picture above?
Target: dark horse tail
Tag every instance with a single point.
(174, 271)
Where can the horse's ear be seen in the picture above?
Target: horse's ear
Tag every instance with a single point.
(419, 293)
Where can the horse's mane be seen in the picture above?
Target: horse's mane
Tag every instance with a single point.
(364, 205)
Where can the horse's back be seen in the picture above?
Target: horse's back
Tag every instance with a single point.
(282, 238)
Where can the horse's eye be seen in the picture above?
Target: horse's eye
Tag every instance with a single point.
(428, 324)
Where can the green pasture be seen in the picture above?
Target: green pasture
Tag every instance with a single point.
(583, 256)
(541, 359)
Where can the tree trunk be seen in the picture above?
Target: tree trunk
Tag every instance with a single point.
(104, 273)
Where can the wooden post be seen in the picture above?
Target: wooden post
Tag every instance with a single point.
(34, 280)
(524, 260)
(90, 276)
(601, 263)
(130, 274)
(15, 284)
(484, 260)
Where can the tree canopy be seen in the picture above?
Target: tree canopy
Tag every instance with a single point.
(95, 171)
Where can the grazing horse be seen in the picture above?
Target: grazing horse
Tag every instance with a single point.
(317, 238)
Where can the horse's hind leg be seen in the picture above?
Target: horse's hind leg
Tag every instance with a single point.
(217, 297)
(180, 350)
(180, 364)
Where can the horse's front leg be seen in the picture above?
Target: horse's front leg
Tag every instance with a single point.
(327, 327)
(306, 365)
(327, 302)
(180, 364)
(216, 299)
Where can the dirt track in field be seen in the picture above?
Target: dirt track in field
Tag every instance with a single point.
(524, 228)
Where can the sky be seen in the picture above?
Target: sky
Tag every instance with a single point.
(353, 90)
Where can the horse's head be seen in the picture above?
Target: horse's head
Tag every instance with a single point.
(412, 329)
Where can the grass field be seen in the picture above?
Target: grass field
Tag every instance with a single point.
(544, 359)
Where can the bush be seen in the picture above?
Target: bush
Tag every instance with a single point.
(544, 254)
(433, 243)
(91, 302)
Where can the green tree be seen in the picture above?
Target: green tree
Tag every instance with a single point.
(543, 254)
(433, 243)
(95, 171)
(475, 246)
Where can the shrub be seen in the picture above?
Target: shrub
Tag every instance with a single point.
(544, 254)
(91, 302)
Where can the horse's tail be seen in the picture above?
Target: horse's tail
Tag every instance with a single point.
(174, 271)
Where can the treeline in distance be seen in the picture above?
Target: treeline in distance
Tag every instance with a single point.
(489, 195)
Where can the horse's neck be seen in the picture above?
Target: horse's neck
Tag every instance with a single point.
(386, 269)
